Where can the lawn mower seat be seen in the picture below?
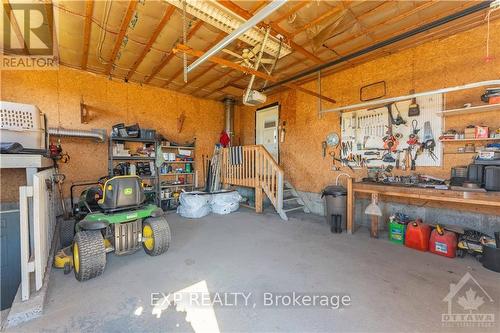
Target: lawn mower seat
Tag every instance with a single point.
(122, 192)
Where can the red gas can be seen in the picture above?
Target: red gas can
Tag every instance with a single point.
(443, 242)
(417, 235)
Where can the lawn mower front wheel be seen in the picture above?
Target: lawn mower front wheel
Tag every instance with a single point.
(89, 254)
(156, 235)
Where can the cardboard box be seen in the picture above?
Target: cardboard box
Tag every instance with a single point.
(481, 132)
(469, 133)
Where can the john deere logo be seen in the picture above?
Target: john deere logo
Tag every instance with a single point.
(128, 191)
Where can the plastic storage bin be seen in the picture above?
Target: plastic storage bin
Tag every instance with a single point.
(22, 123)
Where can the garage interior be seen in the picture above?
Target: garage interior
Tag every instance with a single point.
(263, 166)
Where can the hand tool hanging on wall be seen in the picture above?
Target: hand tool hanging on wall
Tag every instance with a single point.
(428, 142)
(398, 120)
(390, 141)
(413, 109)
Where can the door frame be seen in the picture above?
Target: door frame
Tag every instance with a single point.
(279, 118)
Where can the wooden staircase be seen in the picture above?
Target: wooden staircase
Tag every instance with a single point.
(292, 201)
(255, 167)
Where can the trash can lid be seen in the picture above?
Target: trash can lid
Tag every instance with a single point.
(334, 190)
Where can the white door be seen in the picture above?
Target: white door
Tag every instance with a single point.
(266, 129)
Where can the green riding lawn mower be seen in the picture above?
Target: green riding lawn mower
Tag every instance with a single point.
(111, 217)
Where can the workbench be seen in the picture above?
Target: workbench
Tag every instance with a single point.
(470, 201)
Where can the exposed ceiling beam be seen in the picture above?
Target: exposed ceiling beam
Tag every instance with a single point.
(258, 5)
(227, 63)
(442, 19)
(247, 15)
(167, 59)
(89, 9)
(119, 38)
(14, 24)
(372, 29)
(166, 17)
(180, 71)
(317, 20)
(291, 11)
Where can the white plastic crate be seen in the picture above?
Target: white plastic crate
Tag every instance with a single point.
(22, 123)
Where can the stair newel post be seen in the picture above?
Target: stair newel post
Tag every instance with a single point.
(279, 194)
(258, 185)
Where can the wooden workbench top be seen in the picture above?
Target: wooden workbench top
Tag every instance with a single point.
(475, 198)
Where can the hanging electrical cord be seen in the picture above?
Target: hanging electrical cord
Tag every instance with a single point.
(493, 7)
(184, 40)
(102, 35)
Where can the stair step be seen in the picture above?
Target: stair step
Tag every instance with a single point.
(290, 208)
(290, 198)
(287, 189)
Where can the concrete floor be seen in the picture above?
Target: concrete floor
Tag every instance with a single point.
(393, 288)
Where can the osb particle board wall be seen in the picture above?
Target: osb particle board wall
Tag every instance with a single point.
(58, 94)
(456, 60)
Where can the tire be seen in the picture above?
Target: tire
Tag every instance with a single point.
(66, 232)
(156, 235)
(89, 254)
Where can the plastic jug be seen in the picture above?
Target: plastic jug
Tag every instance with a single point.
(443, 242)
(417, 235)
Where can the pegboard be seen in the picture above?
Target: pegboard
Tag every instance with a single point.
(364, 130)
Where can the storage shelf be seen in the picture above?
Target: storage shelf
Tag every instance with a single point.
(472, 109)
(465, 140)
(112, 138)
(178, 147)
(133, 158)
(457, 153)
(173, 162)
(177, 185)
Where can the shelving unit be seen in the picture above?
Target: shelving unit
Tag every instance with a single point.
(471, 109)
(152, 180)
(189, 177)
(471, 140)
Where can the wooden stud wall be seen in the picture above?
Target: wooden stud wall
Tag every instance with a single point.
(58, 94)
(456, 60)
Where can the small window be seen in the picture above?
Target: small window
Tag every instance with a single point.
(270, 124)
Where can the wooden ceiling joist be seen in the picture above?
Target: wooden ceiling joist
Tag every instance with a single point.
(227, 63)
(15, 26)
(292, 11)
(318, 20)
(166, 17)
(168, 58)
(89, 9)
(119, 38)
(180, 71)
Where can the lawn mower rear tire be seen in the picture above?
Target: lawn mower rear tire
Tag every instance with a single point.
(89, 254)
(66, 232)
(156, 234)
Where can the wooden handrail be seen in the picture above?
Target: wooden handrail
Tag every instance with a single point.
(255, 168)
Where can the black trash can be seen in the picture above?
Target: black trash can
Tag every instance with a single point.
(336, 207)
